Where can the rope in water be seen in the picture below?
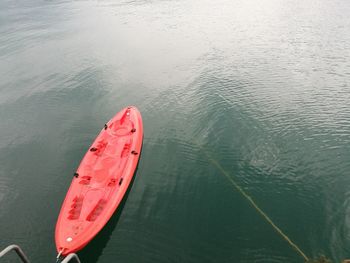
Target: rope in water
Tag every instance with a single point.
(252, 202)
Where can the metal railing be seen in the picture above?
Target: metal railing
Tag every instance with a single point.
(18, 251)
(24, 258)
(70, 257)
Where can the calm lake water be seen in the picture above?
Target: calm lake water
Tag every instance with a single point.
(263, 86)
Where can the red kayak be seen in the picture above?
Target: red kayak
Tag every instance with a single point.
(100, 182)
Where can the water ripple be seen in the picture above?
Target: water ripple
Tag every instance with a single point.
(262, 86)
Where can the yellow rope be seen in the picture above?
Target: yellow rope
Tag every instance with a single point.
(252, 202)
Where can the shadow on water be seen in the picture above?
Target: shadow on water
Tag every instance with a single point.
(94, 249)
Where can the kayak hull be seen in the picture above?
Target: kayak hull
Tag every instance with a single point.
(100, 182)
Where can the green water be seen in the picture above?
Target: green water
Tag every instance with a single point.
(264, 86)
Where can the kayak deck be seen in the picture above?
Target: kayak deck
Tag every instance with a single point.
(100, 182)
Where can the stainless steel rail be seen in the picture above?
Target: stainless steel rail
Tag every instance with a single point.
(70, 257)
(18, 251)
(24, 258)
